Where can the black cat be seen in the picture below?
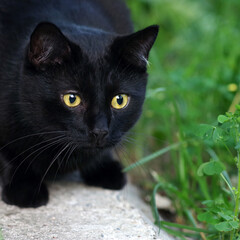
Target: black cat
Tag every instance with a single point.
(72, 83)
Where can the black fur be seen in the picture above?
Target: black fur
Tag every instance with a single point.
(47, 49)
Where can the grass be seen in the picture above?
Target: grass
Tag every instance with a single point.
(1, 237)
(193, 77)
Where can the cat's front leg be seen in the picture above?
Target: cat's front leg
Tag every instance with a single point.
(103, 171)
(24, 191)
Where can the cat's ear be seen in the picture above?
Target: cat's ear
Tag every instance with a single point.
(134, 48)
(48, 46)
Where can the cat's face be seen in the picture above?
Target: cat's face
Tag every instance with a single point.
(93, 95)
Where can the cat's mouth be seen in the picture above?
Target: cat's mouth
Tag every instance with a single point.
(91, 146)
(92, 143)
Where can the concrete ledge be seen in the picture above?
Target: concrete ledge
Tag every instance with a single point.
(77, 212)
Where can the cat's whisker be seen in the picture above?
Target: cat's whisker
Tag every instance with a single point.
(128, 140)
(148, 137)
(28, 149)
(125, 157)
(71, 152)
(12, 160)
(52, 162)
(30, 135)
(128, 137)
(121, 153)
(56, 143)
(44, 148)
(68, 152)
(75, 164)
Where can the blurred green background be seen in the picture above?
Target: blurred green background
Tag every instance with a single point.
(193, 77)
(193, 64)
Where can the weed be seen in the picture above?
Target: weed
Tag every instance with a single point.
(1, 237)
(193, 76)
(221, 209)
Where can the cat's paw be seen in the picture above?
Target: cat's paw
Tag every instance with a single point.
(108, 175)
(25, 194)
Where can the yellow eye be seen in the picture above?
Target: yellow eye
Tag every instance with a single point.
(71, 100)
(120, 101)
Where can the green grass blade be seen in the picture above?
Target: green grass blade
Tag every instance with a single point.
(228, 183)
(1, 236)
(153, 204)
(190, 217)
(181, 235)
(174, 233)
(151, 156)
(195, 229)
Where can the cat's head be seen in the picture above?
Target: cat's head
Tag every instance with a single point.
(89, 84)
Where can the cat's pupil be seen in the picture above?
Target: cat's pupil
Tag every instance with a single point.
(119, 99)
(72, 98)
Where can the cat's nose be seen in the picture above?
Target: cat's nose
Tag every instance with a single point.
(99, 135)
